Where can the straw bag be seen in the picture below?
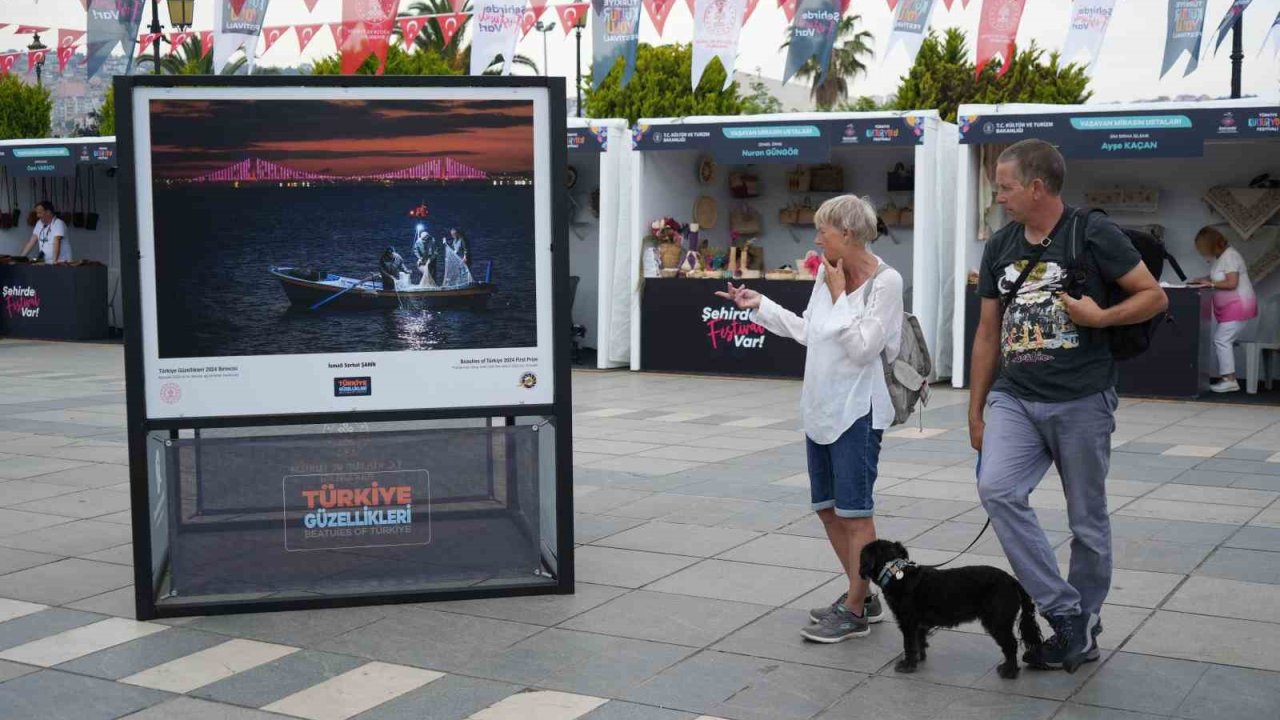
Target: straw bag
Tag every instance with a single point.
(906, 217)
(706, 170)
(744, 184)
(826, 178)
(805, 213)
(744, 220)
(890, 214)
(705, 212)
(669, 254)
(787, 215)
(798, 180)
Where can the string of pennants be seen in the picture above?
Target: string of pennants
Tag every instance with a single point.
(500, 23)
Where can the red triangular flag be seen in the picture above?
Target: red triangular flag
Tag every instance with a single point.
(751, 7)
(237, 5)
(659, 11)
(306, 33)
(570, 14)
(410, 28)
(85, 4)
(340, 32)
(7, 62)
(28, 29)
(144, 42)
(179, 39)
(36, 57)
(789, 8)
(692, 13)
(64, 56)
(3, 25)
(948, 4)
(311, 5)
(893, 5)
(67, 38)
(844, 7)
(206, 43)
(449, 26)
(531, 15)
(271, 35)
(457, 6)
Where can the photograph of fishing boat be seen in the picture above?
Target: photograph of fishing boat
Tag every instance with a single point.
(327, 226)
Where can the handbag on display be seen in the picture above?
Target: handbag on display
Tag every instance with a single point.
(901, 179)
(6, 217)
(752, 257)
(32, 218)
(15, 214)
(890, 214)
(91, 211)
(798, 180)
(787, 215)
(744, 184)
(906, 216)
(826, 178)
(805, 213)
(744, 220)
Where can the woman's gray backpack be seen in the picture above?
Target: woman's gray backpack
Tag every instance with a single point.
(908, 375)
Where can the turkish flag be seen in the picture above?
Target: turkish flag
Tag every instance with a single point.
(311, 5)
(7, 62)
(369, 23)
(36, 57)
(206, 43)
(67, 38)
(457, 6)
(28, 29)
(410, 28)
(449, 25)
(340, 32)
(893, 4)
(306, 33)
(531, 15)
(789, 8)
(64, 56)
(179, 39)
(751, 7)
(271, 35)
(144, 42)
(659, 11)
(570, 14)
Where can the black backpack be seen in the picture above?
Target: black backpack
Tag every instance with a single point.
(1126, 341)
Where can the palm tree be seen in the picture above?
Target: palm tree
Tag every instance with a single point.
(846, 63)
(458, 57)
(188, 61)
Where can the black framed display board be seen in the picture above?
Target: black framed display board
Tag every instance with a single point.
(53, 302)
(344, 377)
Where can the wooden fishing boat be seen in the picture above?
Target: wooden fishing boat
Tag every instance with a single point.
(306, 287)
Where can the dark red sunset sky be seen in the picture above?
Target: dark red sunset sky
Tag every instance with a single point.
(340, 137)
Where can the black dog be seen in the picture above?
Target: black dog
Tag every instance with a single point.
(924, 598)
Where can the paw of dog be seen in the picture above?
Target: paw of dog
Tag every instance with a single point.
(1008, 671)
(903, 666)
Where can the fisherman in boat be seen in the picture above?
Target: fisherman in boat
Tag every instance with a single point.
(425, 254)
(460, 245)
(390, 266)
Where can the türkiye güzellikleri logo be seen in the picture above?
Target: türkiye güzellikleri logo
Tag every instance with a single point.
(331, 511)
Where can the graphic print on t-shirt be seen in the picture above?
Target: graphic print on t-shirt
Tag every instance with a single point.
(1037, 319)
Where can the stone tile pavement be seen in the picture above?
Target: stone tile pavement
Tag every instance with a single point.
(698, 557)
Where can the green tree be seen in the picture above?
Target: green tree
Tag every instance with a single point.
(760, 101)
(399, 62)
(26, 111)
(943, 77)
(864, 103)
(188, 60)
(659, 87)
(430, 38)
(102, 122)
(845, 66)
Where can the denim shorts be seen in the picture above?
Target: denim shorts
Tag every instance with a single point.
(842, 475)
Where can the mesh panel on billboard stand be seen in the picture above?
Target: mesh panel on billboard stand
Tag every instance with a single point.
(344, 379)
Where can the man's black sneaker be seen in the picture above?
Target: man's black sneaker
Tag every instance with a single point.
(1073, 643)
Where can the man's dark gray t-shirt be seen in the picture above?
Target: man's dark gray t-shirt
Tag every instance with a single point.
(1044, 357)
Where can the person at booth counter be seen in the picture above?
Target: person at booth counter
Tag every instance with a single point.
(50, 234)
(1234, 302)
(844, 402)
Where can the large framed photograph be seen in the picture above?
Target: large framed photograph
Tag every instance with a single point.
(320, 249)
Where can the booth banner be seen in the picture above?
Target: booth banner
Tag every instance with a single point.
(1133, 134)
(812, 36)
(236, 24)
(369, 23)
(53, 302)
(588, 139)
(1272, 38)
(1185, 27)
(1089, 21)
(379, 278)
(778, 142)
(1224, 26)
(905, 130)
(614, 34)
(496, 30)
(998, 33)
(111, 23)
(54, 160)
(716, 27)
(910, 23)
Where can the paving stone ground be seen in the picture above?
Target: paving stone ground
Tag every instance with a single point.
(697, 558)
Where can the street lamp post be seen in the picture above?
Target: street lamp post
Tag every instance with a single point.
(544, 28)
(34, 46)
(180, 16)
(1237, 54)
(577, 32)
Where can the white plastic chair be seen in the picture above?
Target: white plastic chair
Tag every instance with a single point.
(1261, 343)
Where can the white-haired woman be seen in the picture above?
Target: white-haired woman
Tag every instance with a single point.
(845, 405)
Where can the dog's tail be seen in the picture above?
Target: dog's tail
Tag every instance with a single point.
(1027, 626)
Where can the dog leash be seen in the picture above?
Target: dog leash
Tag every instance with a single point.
(985, 525)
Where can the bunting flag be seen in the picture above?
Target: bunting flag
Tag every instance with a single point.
(111, 23)
(36, 57)
(893, 4)
(144, 42)
(1224, 26)
(206, 43)
(1185, 28)
(307, 33)
(998, 33)
(689, 4)
(340, 32)
(496, 29)
(751, 7)
(450, 25)
(572, 14)
(7, 62)
(1272, 38)
(410, 28)
(64, 56)
(1089, 20)
(67, 38)
(812, 36)
(179, 39)
(531, 15)
(910, 22)
(311, 6)
(3, 25)
(272, 35)
(614, 34)
(457, 5)
(236, 27)
(29, 29)
(371, 22)
(789, 9)
(659, 11)
(716, 28)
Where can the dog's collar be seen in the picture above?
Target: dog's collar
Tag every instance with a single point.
(892, 570)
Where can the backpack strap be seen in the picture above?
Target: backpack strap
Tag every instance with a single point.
(1007, 299)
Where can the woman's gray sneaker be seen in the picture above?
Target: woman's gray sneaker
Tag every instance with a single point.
(872, 609)
(837, 625)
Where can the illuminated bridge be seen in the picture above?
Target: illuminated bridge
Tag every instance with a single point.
(257, 170)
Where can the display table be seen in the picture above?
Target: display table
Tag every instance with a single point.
(686, 328)
(1175, 366)
(56, 302)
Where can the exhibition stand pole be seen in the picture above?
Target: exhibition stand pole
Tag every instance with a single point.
(1237, 54)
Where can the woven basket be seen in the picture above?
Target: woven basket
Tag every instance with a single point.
(669, 255)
